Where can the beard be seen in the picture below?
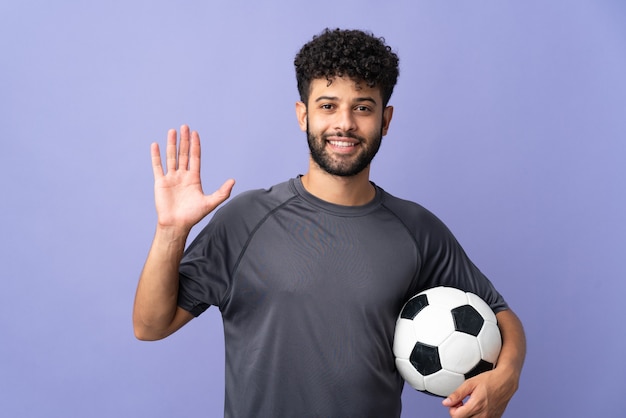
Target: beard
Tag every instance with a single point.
(343, 166)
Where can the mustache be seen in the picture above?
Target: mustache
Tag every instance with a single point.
(340, 134)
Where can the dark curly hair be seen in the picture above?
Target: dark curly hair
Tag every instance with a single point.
(352, 53)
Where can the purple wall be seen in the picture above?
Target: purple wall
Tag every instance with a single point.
(509, 123)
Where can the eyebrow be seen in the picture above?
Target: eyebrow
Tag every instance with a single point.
(357, 100)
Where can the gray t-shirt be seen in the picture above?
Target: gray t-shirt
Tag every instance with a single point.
(309, 294)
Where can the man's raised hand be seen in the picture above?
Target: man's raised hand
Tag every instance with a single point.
(179, 199)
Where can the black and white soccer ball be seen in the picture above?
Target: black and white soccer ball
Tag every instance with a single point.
(444, 336)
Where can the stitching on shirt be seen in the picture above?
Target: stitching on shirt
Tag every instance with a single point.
(228, 293)
(418, 248)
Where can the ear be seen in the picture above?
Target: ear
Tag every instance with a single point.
(301, 112)
(387, 115)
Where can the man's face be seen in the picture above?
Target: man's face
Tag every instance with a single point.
(345, 122)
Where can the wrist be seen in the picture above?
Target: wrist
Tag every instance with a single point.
(509, 372)
(171, 234)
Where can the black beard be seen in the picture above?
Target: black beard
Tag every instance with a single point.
(343, 168)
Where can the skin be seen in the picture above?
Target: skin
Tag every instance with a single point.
(345, 120)
(489, 393)
(344, 108)
(180, 204)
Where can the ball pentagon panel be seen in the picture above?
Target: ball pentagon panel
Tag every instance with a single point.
(482, 307)
(467, 319)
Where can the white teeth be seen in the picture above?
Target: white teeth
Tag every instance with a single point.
(341, 143)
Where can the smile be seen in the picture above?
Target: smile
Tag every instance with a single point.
(341, 144)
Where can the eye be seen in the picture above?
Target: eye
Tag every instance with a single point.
(327, 106)
(362, 108)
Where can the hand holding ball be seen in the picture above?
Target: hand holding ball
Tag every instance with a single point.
(444, 336)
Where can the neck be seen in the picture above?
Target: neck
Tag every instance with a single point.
(346, 191)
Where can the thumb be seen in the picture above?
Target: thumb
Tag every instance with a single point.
(456, 397)
(221, 194)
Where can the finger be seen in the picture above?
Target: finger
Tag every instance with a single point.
(194, 152)
(183, 148)
(221, 194)
(157, 167)
(456, 397)
(170, 151)
(464, 410)
(456, 411)
(457, 405)
(453, 409)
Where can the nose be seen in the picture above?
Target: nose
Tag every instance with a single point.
(345, 120)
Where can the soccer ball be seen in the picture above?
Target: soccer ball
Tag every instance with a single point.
(444, 336)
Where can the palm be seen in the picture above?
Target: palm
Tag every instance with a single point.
(180, 201)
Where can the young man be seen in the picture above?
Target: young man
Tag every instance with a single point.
(310, 274)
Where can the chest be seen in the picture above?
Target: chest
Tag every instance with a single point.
(327, 263)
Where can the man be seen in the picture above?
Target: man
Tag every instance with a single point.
(311, 274)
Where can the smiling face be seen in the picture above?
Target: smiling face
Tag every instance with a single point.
(345, 122)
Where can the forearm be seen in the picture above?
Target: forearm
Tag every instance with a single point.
(513, 350)
(155, 304)
(491, 392)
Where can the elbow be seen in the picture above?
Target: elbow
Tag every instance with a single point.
(143, 332)
(151, 328)
(142, 335)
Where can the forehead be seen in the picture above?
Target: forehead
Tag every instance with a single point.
(343, 88)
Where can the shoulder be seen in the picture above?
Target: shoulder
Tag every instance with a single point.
(255, 204)
(430, 233)
(412, 214)
(237, 219)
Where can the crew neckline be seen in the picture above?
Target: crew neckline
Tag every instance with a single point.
(343, 210)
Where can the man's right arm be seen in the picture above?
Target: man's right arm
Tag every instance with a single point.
(156, 313)
(180, 204)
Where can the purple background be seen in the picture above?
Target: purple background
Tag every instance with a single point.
(509, 123)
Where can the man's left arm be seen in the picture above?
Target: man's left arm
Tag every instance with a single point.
(490, 392)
